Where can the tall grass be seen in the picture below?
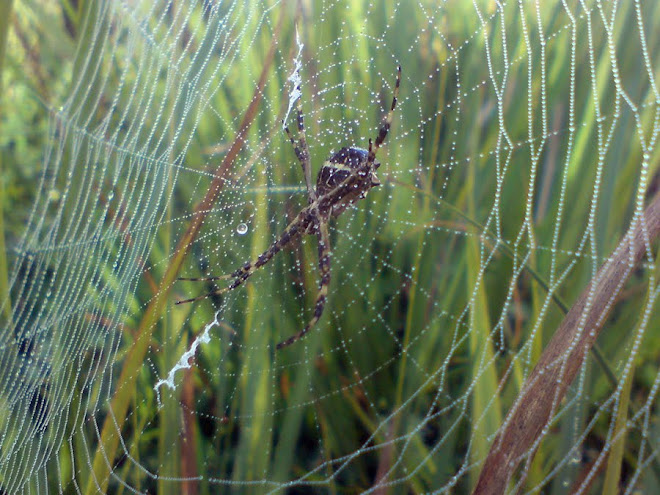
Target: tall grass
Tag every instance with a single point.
(414, 366)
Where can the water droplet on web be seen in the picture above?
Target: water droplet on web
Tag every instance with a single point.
(242, 229)
(54, 195)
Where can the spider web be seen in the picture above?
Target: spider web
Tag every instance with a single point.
(523, 151)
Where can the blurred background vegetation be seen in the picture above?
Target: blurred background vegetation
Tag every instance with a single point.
(506, 183)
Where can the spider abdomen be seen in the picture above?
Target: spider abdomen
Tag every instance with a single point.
(345, 178)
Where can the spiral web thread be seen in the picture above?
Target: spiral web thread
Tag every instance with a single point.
(523, 147)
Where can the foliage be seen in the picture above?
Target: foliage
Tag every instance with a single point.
(448, 282)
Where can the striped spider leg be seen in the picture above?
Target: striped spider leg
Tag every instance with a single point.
(344, 179)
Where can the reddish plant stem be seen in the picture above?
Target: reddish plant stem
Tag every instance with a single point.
(560, 362)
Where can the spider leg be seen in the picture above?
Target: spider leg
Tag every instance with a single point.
(204, 296)
(324, 269)
(387, 122)
(204, 279)
(302, 151)
(297, 227)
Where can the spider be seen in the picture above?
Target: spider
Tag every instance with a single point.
(344, 179)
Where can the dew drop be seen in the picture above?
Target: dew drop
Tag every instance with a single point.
(242, 229)
(54, 195)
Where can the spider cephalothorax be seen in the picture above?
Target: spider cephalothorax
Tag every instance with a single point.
(344, 178)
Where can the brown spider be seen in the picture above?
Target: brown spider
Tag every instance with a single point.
(344, 178)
